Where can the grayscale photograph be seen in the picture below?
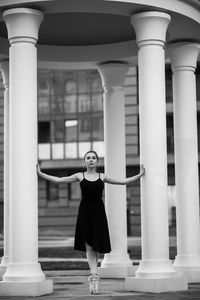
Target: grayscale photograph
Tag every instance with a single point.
(99, 149)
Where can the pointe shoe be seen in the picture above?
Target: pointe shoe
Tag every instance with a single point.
(94, 283)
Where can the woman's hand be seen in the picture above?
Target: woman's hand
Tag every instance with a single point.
(142, 170)
(38, 168)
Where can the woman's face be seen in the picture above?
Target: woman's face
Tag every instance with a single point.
(91, 160)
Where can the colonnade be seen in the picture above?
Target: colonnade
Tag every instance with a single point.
(23, 275)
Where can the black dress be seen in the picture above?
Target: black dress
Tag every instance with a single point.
(91, 225)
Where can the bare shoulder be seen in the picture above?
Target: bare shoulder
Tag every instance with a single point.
(78, 176)
(102, 176)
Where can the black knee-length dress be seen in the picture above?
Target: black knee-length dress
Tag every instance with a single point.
(91, 225)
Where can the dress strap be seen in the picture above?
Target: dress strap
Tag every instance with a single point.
(83, 175)
(99, 175)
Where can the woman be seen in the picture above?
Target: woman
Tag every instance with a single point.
(91, 235)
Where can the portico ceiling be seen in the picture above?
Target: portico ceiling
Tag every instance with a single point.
(82, 29)
(85, 32)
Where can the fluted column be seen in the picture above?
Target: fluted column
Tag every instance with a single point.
(4, 67)
(24, 275)
(184, 60)
(116, 263)
(155, 272)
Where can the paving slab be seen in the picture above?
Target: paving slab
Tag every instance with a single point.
(73, 284)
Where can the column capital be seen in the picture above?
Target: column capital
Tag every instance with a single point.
(150, 27)
(22, 24)
(4, 68)
(113, 75)
(184, 56)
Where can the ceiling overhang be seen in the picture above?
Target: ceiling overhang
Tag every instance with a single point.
(83, 33)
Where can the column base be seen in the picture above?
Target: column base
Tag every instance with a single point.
(191, 273)
(156, 268)
(116, 265)
(114, 259)
(117, 272)
(32, 289)
(19, 272)
(156, 285)
(189, 266)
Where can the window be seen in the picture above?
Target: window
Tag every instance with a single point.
(83, 147)
(57, 151)
(83, 82)
(97, 102)
(44, 132)
(70, 103)
(57, 130)
(44, 105)
(71, 130)
(43, 93)
(75, 193)
(170, 134)
(85, 129)
(70, 99)
(83, 103)
(57, 104)
(97, 129)
(52, 193)
(171, 195)
(44, 140)
(168, 82)
(71, 127)
(96, 85)
(99, 148)
(71, 150)
(70, 86)
(43, 89)
(44, 151)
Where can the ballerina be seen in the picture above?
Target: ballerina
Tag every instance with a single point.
(92, 233)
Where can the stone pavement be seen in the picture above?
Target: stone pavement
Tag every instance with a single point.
(71, 285)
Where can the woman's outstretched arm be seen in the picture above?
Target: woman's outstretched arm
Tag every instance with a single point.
(67, 179)
(126, 180)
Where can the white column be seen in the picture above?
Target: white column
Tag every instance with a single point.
(184, 60)
(24, 275)
(116, 263)
(4, 67)
(155, 272)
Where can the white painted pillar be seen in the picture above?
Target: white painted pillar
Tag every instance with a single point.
(24, 276)
(184, 60)
(155, 272)
(4, 67)
(116, 263)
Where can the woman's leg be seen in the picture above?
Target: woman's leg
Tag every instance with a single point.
(92, 257)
